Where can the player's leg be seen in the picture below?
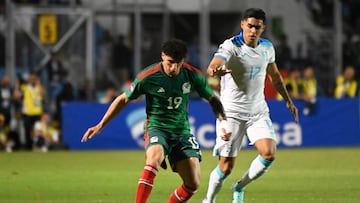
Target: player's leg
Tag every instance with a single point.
(262, 135)
(155, 143)
(227, 152)
(189, 171)
(217, 178)
(266, 156)
(154, 157)
(184, 159)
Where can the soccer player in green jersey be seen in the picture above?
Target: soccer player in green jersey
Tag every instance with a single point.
(167, 86)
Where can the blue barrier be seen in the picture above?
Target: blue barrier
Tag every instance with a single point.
(335, 123)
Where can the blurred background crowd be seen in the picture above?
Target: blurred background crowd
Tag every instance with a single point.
(56, 51)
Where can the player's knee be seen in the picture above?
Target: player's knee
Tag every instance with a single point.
(156, 163)
(268, 156)
(226, 168)
(192, 185)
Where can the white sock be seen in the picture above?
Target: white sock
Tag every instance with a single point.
(216, 181)
(257, 168)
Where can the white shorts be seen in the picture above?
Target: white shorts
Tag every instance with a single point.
(256, 128)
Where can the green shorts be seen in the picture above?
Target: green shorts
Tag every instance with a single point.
(176, 146)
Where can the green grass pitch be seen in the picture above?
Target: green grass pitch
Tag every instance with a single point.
(298, 175)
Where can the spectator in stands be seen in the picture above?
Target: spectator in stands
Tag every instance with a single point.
(45, 135)
(293, 84)
(122, 60)
(4, 139)
(310, 88)
(105, 62)
(9, 138)
(346, 85)
(63, 92)
(53, 72)
(54, 69)
(300, 89)
(31, 96)
(7, 109)
(110, 94)
(283, 53)
(86, 92)
(6, 98)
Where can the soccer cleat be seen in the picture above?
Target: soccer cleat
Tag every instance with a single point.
(238, 194)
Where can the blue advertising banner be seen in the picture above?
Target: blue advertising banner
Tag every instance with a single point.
(335, 123)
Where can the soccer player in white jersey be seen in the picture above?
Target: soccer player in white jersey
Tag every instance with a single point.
(243, 61)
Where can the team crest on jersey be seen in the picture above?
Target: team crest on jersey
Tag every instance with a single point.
(186, 88)
(154, 139)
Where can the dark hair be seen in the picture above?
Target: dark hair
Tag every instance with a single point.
(175, 48)
(257, 13)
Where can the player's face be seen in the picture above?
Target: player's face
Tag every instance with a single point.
(252, 30)
(171, 67)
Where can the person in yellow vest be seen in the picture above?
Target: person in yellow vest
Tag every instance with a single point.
(310, 90)
(293, 84)
(346, 85)
(31, 95)
(4, 130)
(45, 135)
(302, 88)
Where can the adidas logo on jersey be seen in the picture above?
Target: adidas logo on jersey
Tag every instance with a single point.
(161, 89)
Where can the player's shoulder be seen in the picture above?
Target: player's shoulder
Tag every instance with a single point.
(149, 71)
(265, 42)
(24, 86)
(237, 40)
(191, 69)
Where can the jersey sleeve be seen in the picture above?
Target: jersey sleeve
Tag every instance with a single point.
(271, 55)
(202, 86)
(225, 50)
(135, 89)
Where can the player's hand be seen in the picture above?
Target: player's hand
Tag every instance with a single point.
(225, 132)
(221, 70)
(90, 133)
(293, 110)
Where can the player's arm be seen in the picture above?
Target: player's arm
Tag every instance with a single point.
(278, 83)
(115, 108)
(219, 112)
(217, 68)
(217, 108)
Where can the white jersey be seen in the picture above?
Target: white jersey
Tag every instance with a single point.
(242, 91)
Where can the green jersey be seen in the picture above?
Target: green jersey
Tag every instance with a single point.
(167, 98)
